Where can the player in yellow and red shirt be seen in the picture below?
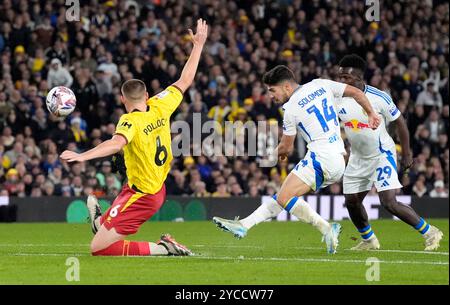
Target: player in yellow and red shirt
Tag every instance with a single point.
(144, 135)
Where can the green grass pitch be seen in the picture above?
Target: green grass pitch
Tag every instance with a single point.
(272, 253)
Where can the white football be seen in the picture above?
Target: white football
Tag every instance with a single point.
(61, 101)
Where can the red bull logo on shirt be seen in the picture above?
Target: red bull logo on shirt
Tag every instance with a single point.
(356, 125)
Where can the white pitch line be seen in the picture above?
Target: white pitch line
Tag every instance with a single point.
(239, 246)
(48, 254)
(318, 248)
(384, 250)
(240, 258)
(325, 260)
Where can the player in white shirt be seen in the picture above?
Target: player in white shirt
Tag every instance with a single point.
(311, 109)
(373, 159)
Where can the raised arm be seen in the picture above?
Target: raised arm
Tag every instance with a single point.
(361, 99)
(190, 68)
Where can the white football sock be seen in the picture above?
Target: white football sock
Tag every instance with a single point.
(263, 212)
(305, 213)
(156, 249)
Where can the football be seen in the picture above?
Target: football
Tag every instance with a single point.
(61, 101)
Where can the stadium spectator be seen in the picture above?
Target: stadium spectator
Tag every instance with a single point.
(253, 191)
(407, 55)
(438, 191)
(105, 171)
(179, 186)
(419, 189)
(219, 112)
(14, 153)
(7, 137)
(435, 125)
(112, 185)
(12, 180)
(429, 97)
(48, 188)
(200, 189)
(236, 189)
(58, 75)
(62, 135)
(77, 186)
(221, 191)
(78, 134)
(203, 167)
(36, 192)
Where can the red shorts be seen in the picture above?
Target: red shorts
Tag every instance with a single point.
(131, 209)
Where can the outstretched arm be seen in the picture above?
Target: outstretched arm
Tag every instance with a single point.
(107, 148)
(360, 98)
(190, 68)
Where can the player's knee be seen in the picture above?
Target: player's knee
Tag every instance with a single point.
(96, 247)
(282, 199)
(390, 204)
(351, 202)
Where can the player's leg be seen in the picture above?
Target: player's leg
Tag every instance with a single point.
(359, 217)
(387, 183)
(309, 170)
(312, 173)
(239, 228)
(356, 210)
(296, 185)
(407, 214)
(289, 198)
(356, 184)
(110, 243)
(292, 188)
(265, 211)
(95, 213)
(124, 217)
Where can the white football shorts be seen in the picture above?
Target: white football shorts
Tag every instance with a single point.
(319, 170)
(361, 174)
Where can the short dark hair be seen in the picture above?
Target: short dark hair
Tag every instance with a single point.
(133, 89)
(353, 61)
(277, 75)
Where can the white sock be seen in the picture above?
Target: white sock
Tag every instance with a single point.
(370, 238)
(305, 213)
(156, 249)
(263, 212)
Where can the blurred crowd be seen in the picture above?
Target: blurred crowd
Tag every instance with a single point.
(407, 55)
